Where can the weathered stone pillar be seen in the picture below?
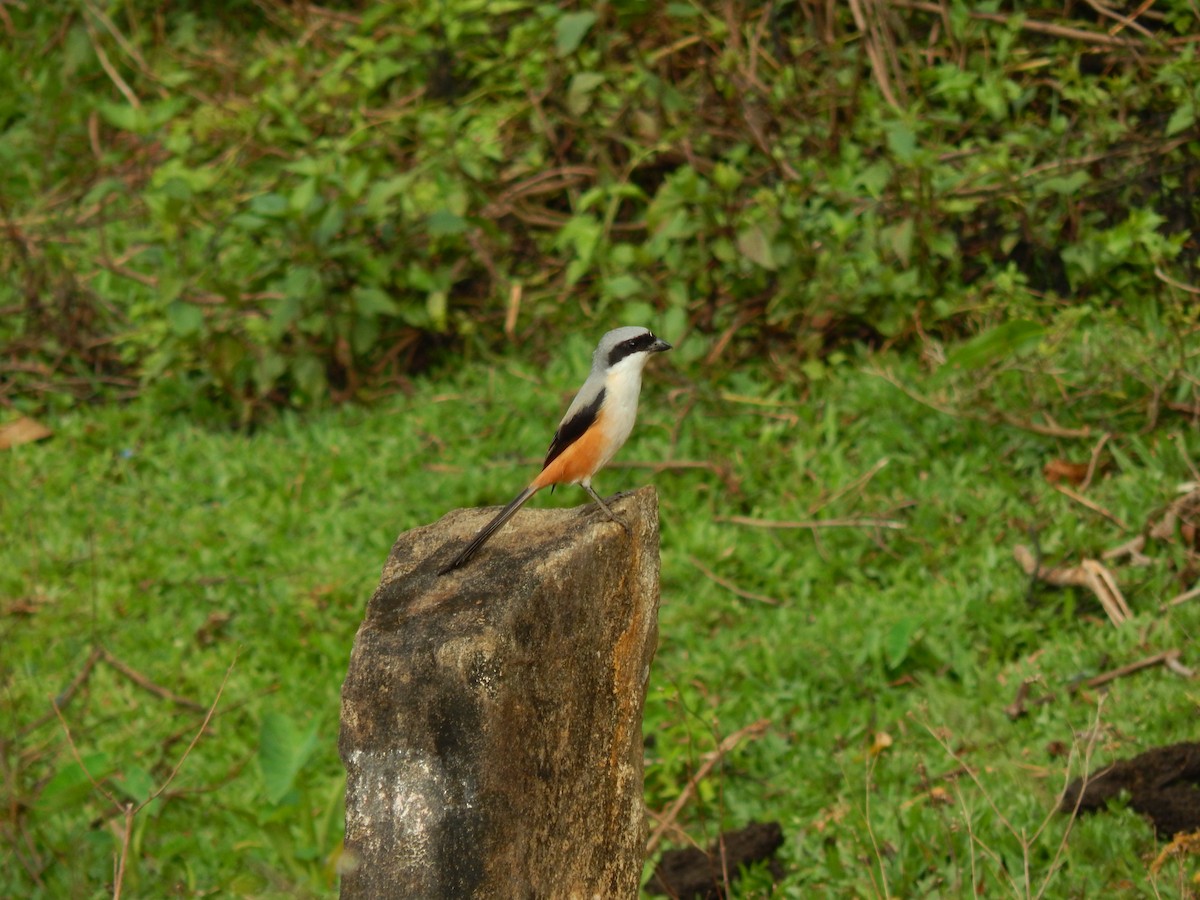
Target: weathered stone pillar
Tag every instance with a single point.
(492, 717)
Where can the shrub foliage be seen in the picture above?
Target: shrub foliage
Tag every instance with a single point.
(269, 203)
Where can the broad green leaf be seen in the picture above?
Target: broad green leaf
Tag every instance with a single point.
(901, 140)
(71, 784)
(754, 244)
(185, 319)
(1066, 185)
(621, 286)
(444, 222)
(282, 752)
(1182, 119)
(1005, 340)
(135, 783)
(900, 238)
(579, 93)
(570, 31)
(285, 312)
(270, 204)
(899, 639)
(309, 374)
(373, 301)
(436, 303)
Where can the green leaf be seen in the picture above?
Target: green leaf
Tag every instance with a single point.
(900, 239)
(1066, 185)
(286, 311)
(331, 223)
(1005, 340)
(282, 753)
(754, 244)
(621, 286)
(270, 204)
(899, 639)
(71, 784)
(135, 783)
(901, 140)
(303, 195)
(309, 374)
(579, 94)
(1182, 119)
(436, 304)
(445, 222)
(570, 31)
(373, 301)
(185, 319)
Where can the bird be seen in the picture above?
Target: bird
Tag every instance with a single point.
(592, 430)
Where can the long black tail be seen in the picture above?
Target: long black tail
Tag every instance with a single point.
(489, 529)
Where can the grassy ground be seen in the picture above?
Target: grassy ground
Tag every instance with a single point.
(855, 676)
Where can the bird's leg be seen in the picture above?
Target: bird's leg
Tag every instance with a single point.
(604, 506)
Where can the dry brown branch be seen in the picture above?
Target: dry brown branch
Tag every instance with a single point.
(129, 810)
(1121, 20)
(879, 48)
(145, 683)
(113, 75)
(123, 42)
(1026, 839)
(1167, 279)
(730, 586)
(551, 181)
(1048, 28)
(1182, 598)
(126, 808)
(1021, 702)
(1050, 429)
(812, 523)
(1158, 659)
(665, 821)
(857, 484)
(1137, 13)
(723, 471)
(1132, 548)
(68, 694)
(1088, 574)
(1090, 504)
(1095, 460)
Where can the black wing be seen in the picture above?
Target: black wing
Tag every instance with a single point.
(572, 430)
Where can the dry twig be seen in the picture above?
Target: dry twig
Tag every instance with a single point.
(1089, 574)
(1182, 598)
(129, 810)
(812, 523)
(1048, 28)
(751, 732)
(1168, 659)
(730, 586)
(1090, 504)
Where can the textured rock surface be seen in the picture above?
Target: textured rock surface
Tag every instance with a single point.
(491, 717)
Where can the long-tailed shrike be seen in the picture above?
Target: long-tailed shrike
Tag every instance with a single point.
(596, 424)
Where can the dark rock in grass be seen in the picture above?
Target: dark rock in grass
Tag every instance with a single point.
(1163, 784)
(691, 873)
(492, 717)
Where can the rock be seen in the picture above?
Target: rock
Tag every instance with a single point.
(492, 717)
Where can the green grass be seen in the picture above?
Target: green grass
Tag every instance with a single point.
(189, 553)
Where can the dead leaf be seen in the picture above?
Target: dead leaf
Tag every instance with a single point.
(22, 431)
(882, 741)
(1059, 470)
